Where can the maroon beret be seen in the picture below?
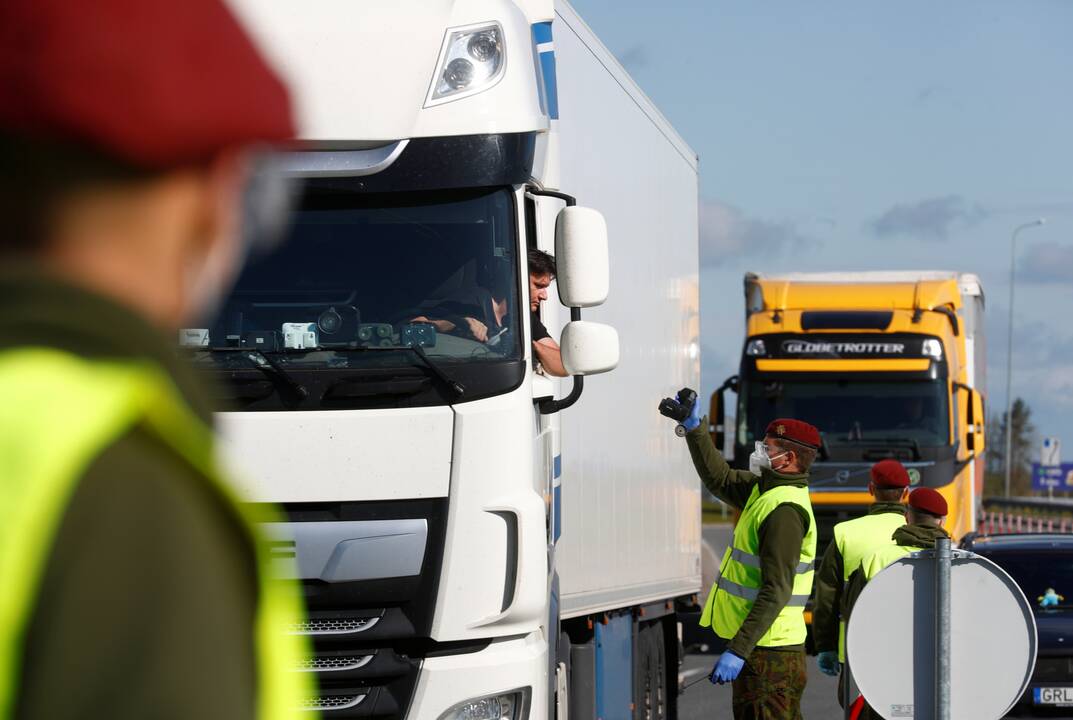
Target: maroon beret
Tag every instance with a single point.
(796, 430)
(155, 83)
(890, 474)
(929, 501)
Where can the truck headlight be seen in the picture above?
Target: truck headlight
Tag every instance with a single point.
(471, 60)
(932, 348)
(756, 347)
(505, 706)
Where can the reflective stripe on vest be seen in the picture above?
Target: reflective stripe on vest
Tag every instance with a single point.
(58, 413)
(740, 576)
(857, 539)
(751, 594)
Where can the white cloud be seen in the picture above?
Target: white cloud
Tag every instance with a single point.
(931, 218)
(726, 232)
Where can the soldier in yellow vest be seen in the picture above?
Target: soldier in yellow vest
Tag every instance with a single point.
(853, 541)
(766, 575)
(925, 515)
(133, 586)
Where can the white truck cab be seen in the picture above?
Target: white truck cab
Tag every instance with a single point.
(380, 368)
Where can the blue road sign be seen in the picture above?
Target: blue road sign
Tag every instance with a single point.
(1056, 477)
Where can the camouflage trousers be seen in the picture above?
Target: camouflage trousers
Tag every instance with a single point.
(770, 686)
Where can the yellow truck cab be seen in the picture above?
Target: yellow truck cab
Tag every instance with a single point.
(885, 364)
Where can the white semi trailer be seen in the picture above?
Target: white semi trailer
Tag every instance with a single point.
(473, 538)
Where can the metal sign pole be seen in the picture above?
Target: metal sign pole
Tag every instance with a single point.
(942, 629)
(847, 691)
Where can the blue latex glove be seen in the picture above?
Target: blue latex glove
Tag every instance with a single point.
(828, 662)
(693, 420)
(726, 668)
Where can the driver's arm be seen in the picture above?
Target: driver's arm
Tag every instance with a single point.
(545, 349)
(550, 357)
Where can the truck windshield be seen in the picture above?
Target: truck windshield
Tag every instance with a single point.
(363, 272)
(849, 413)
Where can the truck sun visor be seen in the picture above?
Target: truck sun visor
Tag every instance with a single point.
(846, 320)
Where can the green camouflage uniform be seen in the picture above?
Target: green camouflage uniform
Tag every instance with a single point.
(770, 686)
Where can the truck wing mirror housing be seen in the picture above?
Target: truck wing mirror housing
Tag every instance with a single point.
(581, 257)
(977, 418)
(589, 348)
(974, 419)
(717, 411)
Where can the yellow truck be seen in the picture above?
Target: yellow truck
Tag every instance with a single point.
(885, 364)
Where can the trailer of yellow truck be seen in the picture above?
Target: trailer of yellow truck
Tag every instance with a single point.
(885, 364)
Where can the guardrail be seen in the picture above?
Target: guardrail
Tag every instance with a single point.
(999, 523)
(1026, 514)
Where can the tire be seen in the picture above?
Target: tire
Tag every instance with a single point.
(650, 699)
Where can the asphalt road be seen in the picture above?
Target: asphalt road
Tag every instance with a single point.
(704, 701)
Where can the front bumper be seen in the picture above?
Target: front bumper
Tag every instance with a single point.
(504, 665)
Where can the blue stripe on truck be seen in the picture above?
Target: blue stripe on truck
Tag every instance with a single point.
(542, 32)
(557, 496)
(542, 36)
(614, 667)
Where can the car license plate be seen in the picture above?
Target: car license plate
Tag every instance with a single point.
(1059, 696)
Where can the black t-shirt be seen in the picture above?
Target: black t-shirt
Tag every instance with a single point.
(539, 331)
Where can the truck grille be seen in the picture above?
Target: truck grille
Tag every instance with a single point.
(329, 703)
(368, 636)
(333, 626)
(334, 664)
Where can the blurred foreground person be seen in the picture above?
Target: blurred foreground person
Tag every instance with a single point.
(925, 517)
(132, 583)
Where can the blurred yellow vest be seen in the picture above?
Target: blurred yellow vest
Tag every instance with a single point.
(58, 412)
(857, 539)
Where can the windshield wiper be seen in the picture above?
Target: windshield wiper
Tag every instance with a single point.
(457, 388)
(269, 367)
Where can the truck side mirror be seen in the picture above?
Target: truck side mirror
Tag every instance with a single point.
(717, 419)
(589, 348)
(973, 429)
(976, 422)
(717, 411)
(581, 257)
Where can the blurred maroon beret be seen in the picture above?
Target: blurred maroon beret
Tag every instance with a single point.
(890, 474)
(155, 83)
(927, 500)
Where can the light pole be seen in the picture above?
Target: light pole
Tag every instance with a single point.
(1009, 354)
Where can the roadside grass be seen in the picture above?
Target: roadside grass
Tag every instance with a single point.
(711, 513)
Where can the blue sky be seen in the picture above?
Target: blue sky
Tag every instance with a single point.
(875, 135)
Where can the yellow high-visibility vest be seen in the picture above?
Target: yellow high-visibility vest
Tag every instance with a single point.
(857, 539)
(58, 412)
(739, 582)
(884, 556)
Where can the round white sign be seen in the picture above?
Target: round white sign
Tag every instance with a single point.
(890, 641)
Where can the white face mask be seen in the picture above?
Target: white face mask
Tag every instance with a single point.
(760, 460)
